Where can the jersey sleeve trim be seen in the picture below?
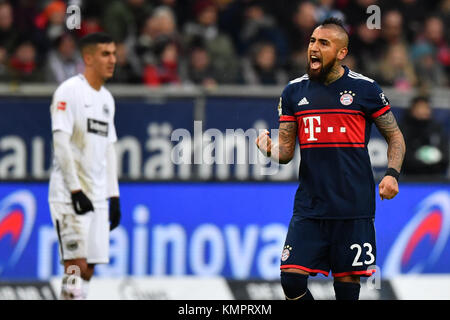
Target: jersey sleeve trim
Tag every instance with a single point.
(287, 119)
(381, 111)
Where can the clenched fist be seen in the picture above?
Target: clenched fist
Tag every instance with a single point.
(264, 143)
(388, 188)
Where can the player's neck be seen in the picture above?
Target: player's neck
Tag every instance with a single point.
(93, 79)
(335, 73)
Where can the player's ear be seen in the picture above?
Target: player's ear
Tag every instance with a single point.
(88, 55)
(85, 57)
(342, 53)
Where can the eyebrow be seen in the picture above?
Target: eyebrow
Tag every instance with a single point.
(108, 51)
(321, 39)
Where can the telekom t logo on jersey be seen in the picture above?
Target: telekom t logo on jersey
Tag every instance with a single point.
(331, 128)
(311, 128)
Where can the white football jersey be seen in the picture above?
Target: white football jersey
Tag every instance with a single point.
(88, 116)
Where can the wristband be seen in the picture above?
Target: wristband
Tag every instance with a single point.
(393, 173)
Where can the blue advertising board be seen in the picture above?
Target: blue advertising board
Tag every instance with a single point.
(146, 139)
(235, 230)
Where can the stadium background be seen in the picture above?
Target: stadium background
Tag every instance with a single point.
(224, 64)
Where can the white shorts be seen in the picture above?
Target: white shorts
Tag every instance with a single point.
(82, 236)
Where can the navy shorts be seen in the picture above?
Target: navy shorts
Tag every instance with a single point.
(346, 247)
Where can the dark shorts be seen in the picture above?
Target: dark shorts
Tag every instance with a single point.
(346, 247)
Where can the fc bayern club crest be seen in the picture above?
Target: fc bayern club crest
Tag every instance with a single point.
(346, 97)
(286, 253)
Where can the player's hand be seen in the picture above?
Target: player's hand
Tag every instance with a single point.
(114, 212)
(81, 202)
(388, 188)
(264, 143)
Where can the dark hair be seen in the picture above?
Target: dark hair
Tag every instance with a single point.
(335, 21)
(419, 98)
(56, 43)
(95, 38)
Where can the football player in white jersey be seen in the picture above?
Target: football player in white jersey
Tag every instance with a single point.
(84, 175)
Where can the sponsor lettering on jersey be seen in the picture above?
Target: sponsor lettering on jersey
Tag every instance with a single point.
(331, 128)
(97, 127)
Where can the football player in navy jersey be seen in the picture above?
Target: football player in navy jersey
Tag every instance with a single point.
(331, 110)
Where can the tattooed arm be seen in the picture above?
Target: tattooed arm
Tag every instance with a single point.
(283, 152)
(387, 125)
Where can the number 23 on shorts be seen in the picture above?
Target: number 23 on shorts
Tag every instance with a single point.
(368, 252)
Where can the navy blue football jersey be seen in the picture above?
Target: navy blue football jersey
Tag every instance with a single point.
(333, 127)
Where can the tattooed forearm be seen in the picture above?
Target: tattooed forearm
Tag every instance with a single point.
(387, 125)
(283, 152)
(396, 152)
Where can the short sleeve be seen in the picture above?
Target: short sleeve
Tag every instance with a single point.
(375, 101)
(62, 110)
(285, 111)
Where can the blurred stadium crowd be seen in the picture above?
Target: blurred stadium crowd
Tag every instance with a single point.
(213, 42)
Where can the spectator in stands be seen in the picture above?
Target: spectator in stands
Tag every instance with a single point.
(52, 20)
(179, 9)
(261, 68)
(165, 70)
(123, 18)
(8, 33)
(91, 16)
(434, 36)
(355, 11)
(432, 73)
(227, 25)
(365, 46)
(303, 22)
(64, 61)
(124, 71)
(25, 12)
(218, 44)
(392, 30)
(89, 24)
(259, 26)
(23, 66)
(160, 25)
(427, 145)
(414, 12)
(199, 69)
(327, 10)
(396, 69)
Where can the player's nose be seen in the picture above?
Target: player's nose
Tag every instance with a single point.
(313, 47)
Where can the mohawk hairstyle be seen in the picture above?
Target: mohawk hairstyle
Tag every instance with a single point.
(335, 22)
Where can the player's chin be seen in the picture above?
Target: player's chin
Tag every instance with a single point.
(314, 73)
(108, 75)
